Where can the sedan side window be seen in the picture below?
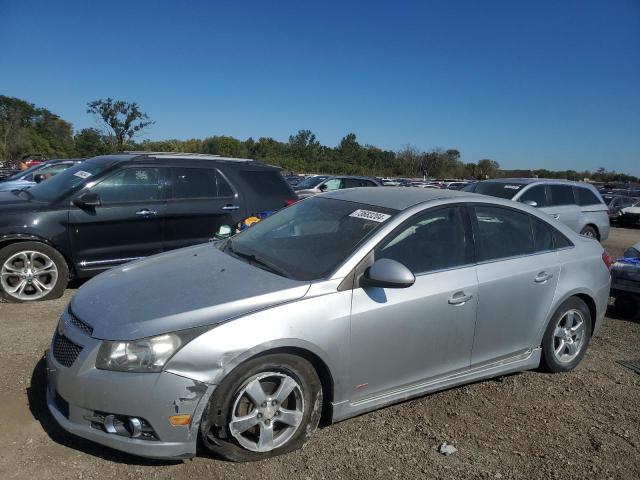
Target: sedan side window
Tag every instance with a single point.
(502, 233)
(434, 241)
(332, 184)
(137, 184)
(535, 194)
(561, 195)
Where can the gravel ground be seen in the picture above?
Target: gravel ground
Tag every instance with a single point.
(583, 424)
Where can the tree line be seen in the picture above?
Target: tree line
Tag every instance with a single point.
(27, 130)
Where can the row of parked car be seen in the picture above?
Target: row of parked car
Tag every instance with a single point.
(75, 218)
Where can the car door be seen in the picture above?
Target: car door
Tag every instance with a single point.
(200, 201)
(563, 205)
(126, 225)
(402, 336)
(517, 278)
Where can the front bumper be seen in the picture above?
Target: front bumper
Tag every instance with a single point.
(76, 394)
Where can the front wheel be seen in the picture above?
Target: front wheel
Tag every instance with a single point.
(32, 271)
(267, 406)
(567, 336)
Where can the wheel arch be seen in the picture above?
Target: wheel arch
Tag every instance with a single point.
(585, 297)
(595, 227)
(10, 239)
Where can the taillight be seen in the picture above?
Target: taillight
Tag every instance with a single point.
(608, 261)
(290, 201)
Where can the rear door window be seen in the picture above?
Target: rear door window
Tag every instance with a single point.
(561, 195)
(584, 197)
(502, 233)
(535, 194)
(199, 183)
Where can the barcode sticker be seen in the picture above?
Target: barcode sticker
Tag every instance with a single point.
(82, 174)
(369, 215)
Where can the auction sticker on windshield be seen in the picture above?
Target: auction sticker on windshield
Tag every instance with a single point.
(369, 215)
(82, 174)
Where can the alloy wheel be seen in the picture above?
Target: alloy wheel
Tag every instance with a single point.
(568, 336)
(267, 412)
(28, 275)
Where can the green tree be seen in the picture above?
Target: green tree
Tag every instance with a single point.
(122, 120)
(89, 142)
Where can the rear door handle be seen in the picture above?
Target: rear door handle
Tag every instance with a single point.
(145, 212)
(460, 298)
(542, 277)
(231, 207)
(556, 216)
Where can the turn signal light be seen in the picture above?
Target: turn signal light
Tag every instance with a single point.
(606, 258)
(180, 420)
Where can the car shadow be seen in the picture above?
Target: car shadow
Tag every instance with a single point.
(36, 396)
(612, 314)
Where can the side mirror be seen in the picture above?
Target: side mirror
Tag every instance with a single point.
(387, 273)
(531, 203)
(39, 177)
(225, 231)
(87, 200)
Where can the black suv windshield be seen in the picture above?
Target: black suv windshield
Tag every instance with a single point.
(498, 189)
(69, 179)
(308, 240)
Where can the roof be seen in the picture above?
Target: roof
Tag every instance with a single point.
(532, 180)
(133, 155)
(397, 198)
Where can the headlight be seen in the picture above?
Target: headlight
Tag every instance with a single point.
(145, 355)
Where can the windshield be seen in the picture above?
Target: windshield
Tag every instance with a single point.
(310, 182)
(70, 178)
(498, 189)
(308, 240)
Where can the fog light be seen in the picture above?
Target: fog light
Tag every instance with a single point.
(180, 420)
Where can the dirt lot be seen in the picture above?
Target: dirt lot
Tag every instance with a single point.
(584, 424)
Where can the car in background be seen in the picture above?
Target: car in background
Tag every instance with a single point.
(616, 203)
(576, 204)
(341, 304)
(338, 182)
(113, 209)
(36, 174)
(456, 185)
(630, 216)
(310, 182)
(294, 180)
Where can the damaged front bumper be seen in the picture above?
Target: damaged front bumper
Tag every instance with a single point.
(126, 411)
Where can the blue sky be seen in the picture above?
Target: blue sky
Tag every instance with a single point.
(540, 84)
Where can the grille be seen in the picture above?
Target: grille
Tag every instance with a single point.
(79, 324)
(65, 351)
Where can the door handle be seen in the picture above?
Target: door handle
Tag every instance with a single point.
(145, 212)
(556, 216)
(542, 277)
(460, 298)
(231, 207)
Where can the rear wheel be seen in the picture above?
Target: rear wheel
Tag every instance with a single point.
(266, 407)
(589, 231)
(567, 336)
(32, 271)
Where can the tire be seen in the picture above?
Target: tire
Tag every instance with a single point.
(557, 335)
(227, 438)
(627, 305)
(590, 231)
(31, 271)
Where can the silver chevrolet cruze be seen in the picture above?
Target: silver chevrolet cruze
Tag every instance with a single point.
(335, 306)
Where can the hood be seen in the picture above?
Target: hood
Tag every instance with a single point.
(635, 210)
(181, 289)
(309, 192)
(8, 185)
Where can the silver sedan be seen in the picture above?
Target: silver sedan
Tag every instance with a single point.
(335, 306)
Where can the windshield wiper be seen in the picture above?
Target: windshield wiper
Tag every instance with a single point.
(258, 261)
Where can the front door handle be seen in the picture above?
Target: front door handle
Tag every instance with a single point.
(460, 298)
(556, 216)
(145, 212)
(231, 207)
(542, 277)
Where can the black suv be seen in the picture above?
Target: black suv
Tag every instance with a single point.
(110, 210)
